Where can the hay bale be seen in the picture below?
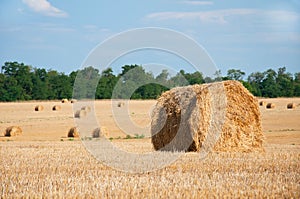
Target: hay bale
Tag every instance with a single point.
(86, 108)
(262, 103)
(73, 101)
(56, 108)
(64, 101)
(80, 113)
(270, 106)
(291, 106)
(13, 131)
(73, 132)
(187, 118)
(38, 108)
(100, 132)
(121, 104)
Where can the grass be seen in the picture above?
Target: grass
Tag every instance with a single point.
(46, 169)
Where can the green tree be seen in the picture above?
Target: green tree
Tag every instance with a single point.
(234, 74)
(285, 83)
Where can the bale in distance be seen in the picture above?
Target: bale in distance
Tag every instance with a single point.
(86, 108)
(13, 131)
(262, 103)
(80, 113)
(73, 132)
(291, 106)
(64, 101)
(183, 116)
(73, 101)
(100, 132)
(56, 108)
(121, 104)
(38, 108)
(270, 106)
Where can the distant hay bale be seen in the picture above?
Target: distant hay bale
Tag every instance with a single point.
(56, 108)
(73, 101)
(291, 106)
(121, 104)
(182, 119)
(262, 103)
(64, 101)
(13, 131)
(100, 132)
(86, 108)
(38, 108)
(270, 106)
(73, 132)
(80, 113)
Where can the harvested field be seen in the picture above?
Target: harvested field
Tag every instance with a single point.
(42, 163)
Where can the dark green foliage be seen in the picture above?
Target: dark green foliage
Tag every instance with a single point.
(22, 82)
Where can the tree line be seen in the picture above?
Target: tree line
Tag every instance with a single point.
(22, 82)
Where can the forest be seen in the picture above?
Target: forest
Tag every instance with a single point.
(20, 82)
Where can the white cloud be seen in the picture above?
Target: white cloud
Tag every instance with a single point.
(201, 3)
(205, 16)
(45, 8)
(220, 16)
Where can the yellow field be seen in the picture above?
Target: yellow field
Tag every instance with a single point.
(44, 163)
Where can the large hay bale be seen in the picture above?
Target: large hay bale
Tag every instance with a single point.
(80, 113)
(56, 108)
(291, 106)
(100, 132)
(270, 106)
(73, 132)
(13, 131)
(64, 101)
(86, 108)
(188, 118)
(38, 108)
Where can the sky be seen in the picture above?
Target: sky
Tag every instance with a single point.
(59, 34)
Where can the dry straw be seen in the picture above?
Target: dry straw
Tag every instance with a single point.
(64, 101)
(270, 106)
(56, 108)
(13, 131)
(291, 106)
(100, 132)
(80, 113)
(73, 132)
(188, 110)
(38, 108)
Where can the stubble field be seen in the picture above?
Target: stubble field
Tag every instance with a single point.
(43, 162)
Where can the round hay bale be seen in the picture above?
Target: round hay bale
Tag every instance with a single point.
(86, 108)
(80, 113)
(270, 106)
(64, 101)
(13, 131)
(182, 118)
(73, 101)
(121, 104)
(262, 103)
(38, 108)
(291, 106)
(73, 132)
(56, 108)
(100, 132)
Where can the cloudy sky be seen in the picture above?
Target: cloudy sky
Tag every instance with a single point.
(59, 34)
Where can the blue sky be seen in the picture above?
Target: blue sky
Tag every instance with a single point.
(59, 34)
